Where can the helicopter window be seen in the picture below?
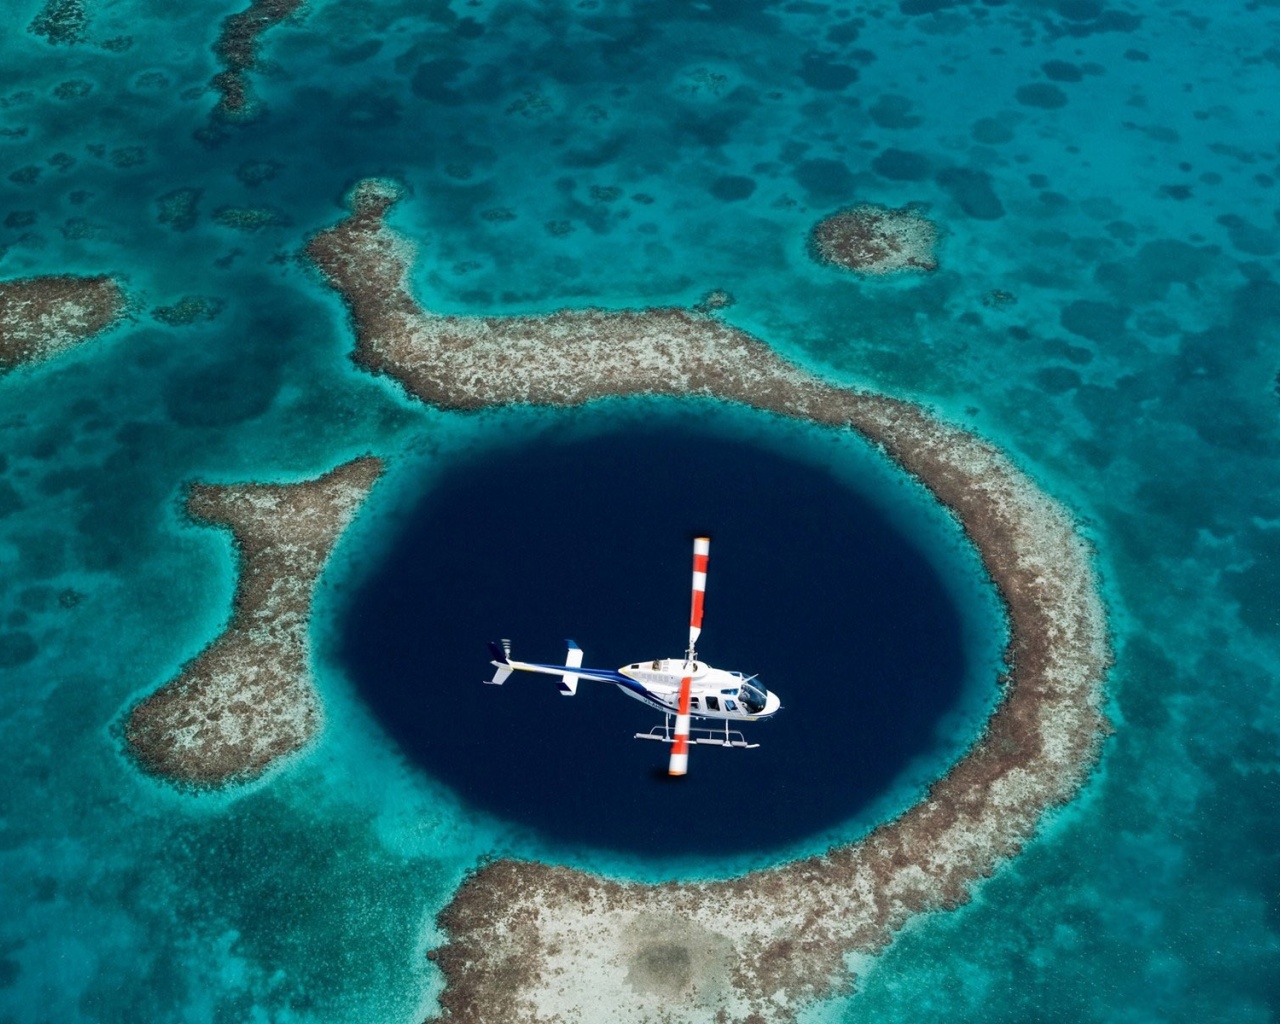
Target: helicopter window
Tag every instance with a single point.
(656, 664)
(713, 703)
(693, 703)
(752, 697)
(730, 705)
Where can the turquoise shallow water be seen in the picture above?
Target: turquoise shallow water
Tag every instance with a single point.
(1113, 169)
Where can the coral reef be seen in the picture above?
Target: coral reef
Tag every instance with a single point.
(529, 941)
(237, 49)
(714, 300)
(250, 219)
(72, 89)
(43, 316)
(257, 172)
(247, 699)
(61, 22)
(870, 239)
(178, 208)
(189, 309)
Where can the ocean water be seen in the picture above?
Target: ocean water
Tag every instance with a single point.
(1112, 167)
(582, 529)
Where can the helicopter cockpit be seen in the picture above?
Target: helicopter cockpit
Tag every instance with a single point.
(753, 697)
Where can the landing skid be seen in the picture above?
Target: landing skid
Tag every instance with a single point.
(701, 734)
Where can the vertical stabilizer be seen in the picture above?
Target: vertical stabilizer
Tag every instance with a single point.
(568, 684)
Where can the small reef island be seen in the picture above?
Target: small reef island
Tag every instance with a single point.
(237, 50)
(247, 699)
(534, 942)
(875, 240)
(41, 317)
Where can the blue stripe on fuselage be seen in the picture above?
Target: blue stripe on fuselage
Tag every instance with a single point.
(603, 675)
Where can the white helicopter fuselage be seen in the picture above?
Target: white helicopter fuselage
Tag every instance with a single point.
(714, 692)
(681, 688)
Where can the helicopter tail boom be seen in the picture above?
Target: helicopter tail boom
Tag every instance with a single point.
(568, 684)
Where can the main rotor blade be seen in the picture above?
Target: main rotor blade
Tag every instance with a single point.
(680, 748)
(701, 551)
(679, 763)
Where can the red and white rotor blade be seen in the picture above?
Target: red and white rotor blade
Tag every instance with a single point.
(701, 551)
(679, 763)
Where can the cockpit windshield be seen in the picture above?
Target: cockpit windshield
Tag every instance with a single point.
(753, 696)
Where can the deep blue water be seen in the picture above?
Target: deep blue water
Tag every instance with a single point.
(811, 586)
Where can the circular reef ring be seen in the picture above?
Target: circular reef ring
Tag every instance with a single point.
(530, 941)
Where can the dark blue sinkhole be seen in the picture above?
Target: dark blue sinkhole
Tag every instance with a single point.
(810, 584)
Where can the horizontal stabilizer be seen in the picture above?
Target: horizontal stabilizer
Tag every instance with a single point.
(568, 684)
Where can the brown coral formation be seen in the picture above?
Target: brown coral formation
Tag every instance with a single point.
(237, 49)
(533, 942)
(247, 699)
(61, 22)
(43, 316)
(877, 240)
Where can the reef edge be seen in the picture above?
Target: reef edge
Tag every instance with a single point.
(247, 699)
(42, 317)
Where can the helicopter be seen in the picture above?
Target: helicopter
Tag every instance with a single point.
(681, 688)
